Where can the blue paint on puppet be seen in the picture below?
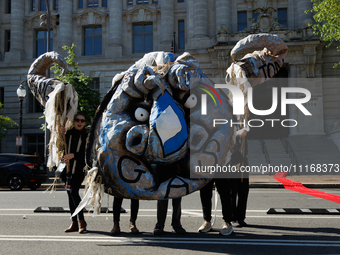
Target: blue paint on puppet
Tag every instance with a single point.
(170, 57)
(169, 122)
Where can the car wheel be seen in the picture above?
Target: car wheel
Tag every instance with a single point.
(15, 182)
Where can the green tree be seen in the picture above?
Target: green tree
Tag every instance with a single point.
(5, 123)
(88, 99)
(327, 14)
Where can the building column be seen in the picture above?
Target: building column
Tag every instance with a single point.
(222, 7)
(16, 52)
(65, 28)
(201, 18)
(115, 28)
(190, 19)
(302, 17)
(167, 24)
(293, 110)
(116, 22)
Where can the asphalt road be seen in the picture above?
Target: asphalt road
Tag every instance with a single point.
(24, 232)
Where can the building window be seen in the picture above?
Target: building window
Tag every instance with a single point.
(105, 3)
(95, 84)
(35, 145)
(142, 38)
(8, 6)
(2, 96)
(282, 16)
(93, 3)
(241, 20)
(33, 104)
(7, 40)
(181, 39)
(180, 1)
(155, 1)
(142, 1)
(80, 4)
(43, 6)
(130, 2)
(33, 6)
(92, 41)
(41, 42)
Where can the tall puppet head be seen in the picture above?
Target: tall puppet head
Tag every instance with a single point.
(149, 132)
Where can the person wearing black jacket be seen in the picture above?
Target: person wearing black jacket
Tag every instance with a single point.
(75, 141)
(239, 184)
(239, 189)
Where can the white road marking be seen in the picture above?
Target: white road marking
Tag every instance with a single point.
(280, 210)
(183, 240)
(333, 210)
(281, 216)
(128, 210)
(192, 212)
(21, 209)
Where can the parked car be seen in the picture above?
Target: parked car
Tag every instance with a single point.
(18, 170)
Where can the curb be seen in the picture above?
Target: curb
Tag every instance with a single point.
(308, 185)
(314, 211)
(251, 185)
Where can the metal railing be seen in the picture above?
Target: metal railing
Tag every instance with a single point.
(289, 150)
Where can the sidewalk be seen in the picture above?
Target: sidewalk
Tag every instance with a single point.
(309, 181)
(267, 181)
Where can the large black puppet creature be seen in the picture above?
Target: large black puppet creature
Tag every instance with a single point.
(149, 132)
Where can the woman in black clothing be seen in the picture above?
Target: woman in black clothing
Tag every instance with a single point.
(75, 141)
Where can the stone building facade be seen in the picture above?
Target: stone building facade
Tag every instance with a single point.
(112, 34)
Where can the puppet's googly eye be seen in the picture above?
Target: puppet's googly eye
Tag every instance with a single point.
(141, 114)
(191, 101)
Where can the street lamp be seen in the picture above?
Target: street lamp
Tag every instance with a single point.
(21, 92)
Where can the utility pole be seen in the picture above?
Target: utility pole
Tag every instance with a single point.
(46, 23)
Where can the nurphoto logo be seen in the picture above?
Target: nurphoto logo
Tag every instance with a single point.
(239, 102)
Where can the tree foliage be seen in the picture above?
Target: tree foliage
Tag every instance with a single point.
(327, 15)
(88, 99)
(5, 123)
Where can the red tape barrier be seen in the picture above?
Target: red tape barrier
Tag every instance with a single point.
(298, 187)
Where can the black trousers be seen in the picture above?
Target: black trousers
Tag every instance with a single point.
(117, 205)
(239, 190)
(162, 209)
(223, 189)
(74, 198)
